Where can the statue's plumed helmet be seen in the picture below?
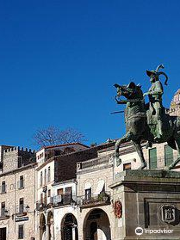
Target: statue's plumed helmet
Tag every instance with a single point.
(151, 72)
(156, 73)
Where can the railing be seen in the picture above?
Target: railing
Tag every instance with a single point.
(49, 200)
(64, 199)
(94, 200)
(94, 162)
(45, 203)
(4, 214)
(40, 205)
(21, 210)
(58, 200)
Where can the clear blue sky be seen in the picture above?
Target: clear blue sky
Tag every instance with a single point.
(60, 59)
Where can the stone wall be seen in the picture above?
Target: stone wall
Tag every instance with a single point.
(65, 165)
(144, 195)
(11, 198)
(175, 105)
(11, 156)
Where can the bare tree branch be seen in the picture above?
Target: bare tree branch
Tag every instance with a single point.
(53, 136)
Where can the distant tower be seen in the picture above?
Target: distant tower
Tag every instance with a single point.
(175, 105)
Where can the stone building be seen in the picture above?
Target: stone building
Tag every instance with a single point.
(56, 208)
(97, 198)
(95, 213)
(65, 210)
(56, 166)
(75, 192)
(175, 104)
(17, 193)
(75, 197)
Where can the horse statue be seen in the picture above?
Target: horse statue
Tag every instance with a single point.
(139, 124)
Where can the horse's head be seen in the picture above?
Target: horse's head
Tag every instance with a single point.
(130, 91)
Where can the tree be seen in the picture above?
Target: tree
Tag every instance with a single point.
(53, 136)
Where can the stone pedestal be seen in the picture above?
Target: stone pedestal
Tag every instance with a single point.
(150, 204)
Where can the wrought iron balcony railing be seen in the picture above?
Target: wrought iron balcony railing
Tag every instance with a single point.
(64, 199)
(94, 200)
(58, 200)
(4, 214)
(21, 210)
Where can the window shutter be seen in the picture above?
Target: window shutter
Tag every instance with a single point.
(168, 155)
(153, 158)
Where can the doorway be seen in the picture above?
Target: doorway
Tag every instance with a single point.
(3, 233)
(97, 225)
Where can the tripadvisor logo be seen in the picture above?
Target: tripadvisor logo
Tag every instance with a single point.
(138, 231)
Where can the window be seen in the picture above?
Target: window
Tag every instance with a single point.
(3, 209)
(3, 190)
(40, 156)
(41, 197)
(126, 166)
(21, 232)
(45, 198)
(68, 195)
(45, 177)
(88, 194)
(21, 205)
(49, 174)
(49, 192)
(20, 162)
(60, 191)
(21, 182)
(41, 179)
(168, 155)
(153, 158)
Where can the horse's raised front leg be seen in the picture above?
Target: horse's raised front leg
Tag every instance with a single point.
(126, 138)
(173, 164)
(141, 155)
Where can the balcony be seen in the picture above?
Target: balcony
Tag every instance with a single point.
(4, 215)
(64, 199)
(21, 211)
(40, 206)
(93, 163)
(94, 200)
(58, 200)
(43, 204)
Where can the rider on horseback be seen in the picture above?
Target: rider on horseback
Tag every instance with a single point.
(155, 100)
(159, 125)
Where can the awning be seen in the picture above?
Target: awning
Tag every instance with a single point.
(100, 187)
(87, 185)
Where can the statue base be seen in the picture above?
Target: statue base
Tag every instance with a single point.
(150, 201)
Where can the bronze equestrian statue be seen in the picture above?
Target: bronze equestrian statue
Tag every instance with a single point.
(147, 122)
